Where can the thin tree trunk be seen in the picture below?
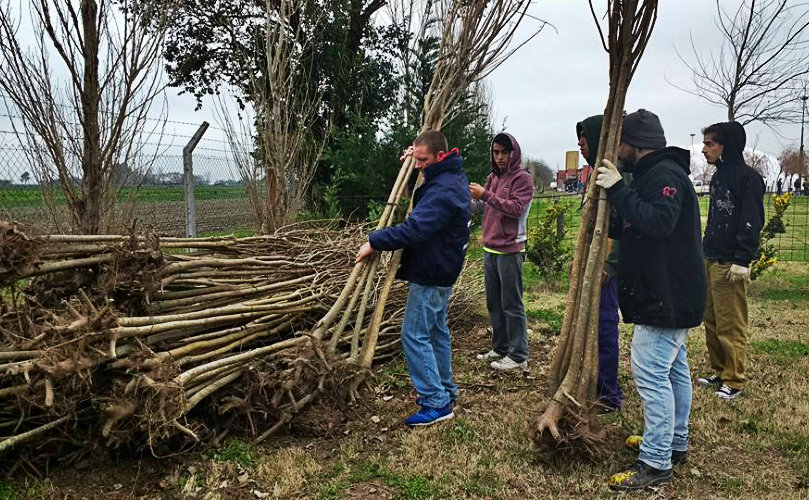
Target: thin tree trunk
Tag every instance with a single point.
(89, 216)
(568, 417)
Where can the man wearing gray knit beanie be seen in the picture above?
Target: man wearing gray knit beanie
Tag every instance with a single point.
(662, 287)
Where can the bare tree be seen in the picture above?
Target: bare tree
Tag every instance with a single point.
(757, 70)
(242, 142)
(286, 111)
(793, 163)
(109, 53)
(701, 169)
(758, 160)
(541, 172)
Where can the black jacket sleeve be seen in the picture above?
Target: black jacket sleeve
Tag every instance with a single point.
(751, 220)
(656, 213)
(616, 224)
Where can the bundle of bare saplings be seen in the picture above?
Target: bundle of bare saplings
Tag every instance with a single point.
(125, 335)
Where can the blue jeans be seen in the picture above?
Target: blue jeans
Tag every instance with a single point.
(660, 368)
(426, 343)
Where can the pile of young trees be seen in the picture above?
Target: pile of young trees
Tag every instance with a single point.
(131, 333)
(138, 330)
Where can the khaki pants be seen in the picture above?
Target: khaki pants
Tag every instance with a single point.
(726, 324)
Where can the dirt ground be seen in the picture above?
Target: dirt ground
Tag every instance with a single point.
(754, 447)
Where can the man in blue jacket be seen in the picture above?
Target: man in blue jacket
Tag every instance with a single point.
(434, 238)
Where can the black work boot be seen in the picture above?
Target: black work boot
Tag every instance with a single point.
(679, 457)
(639, 476)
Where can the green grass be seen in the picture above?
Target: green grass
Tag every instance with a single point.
(9, 492)
(393, 374)
(236, 451)
(408, 487)
(778, 285)
(30, 196)
(552, 318)
(460, 431)
(730, 484)
(238, 233)
(796, 447)
(786, 348)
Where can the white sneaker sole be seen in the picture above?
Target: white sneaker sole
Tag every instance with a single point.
(509, 368)
(703, 382)
(728, 397)
(440, 419)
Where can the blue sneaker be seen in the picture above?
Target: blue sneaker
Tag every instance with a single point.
(429, 416)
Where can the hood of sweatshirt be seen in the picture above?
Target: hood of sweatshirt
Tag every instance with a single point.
(514, 161)
(680, 156)
(591, 129)
(735, 141)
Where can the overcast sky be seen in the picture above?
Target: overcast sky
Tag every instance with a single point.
(560, 77)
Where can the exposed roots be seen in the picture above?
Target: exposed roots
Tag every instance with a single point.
(133, 277)
(569, 431)
(18, 250)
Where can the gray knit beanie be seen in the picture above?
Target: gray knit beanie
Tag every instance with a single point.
(642, 129)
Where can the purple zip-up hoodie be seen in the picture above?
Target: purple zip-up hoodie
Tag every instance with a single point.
(506, 202)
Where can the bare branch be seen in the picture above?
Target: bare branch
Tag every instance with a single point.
(758, 69)
(88, 145)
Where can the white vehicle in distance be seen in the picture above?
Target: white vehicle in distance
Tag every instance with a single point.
(702, 187)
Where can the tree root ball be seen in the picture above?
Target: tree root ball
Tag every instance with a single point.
(567, 431)
(18, 249)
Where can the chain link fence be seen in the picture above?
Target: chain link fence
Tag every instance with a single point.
(155, 200)
(222, 205)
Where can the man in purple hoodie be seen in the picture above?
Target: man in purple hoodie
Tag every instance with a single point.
(505, 201)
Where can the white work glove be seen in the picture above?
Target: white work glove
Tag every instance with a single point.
(608, 175)
(738, 273)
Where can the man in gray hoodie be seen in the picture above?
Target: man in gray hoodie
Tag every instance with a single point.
(505, 201)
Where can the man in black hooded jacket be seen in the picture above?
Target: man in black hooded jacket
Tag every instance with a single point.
(661, 288)
(608, 389)
(735, 219)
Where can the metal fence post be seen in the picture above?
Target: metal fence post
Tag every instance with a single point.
(188, 181)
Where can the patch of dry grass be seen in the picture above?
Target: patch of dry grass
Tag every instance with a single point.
(286, 471)
(755, 447)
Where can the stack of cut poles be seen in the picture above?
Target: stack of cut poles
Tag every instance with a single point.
(277, 320)
(210, 313)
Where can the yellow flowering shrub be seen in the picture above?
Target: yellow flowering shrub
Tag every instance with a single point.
(775, 225)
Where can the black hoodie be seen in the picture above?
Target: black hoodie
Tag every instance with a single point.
(661, 274)
(591, 129)
(736, 210)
